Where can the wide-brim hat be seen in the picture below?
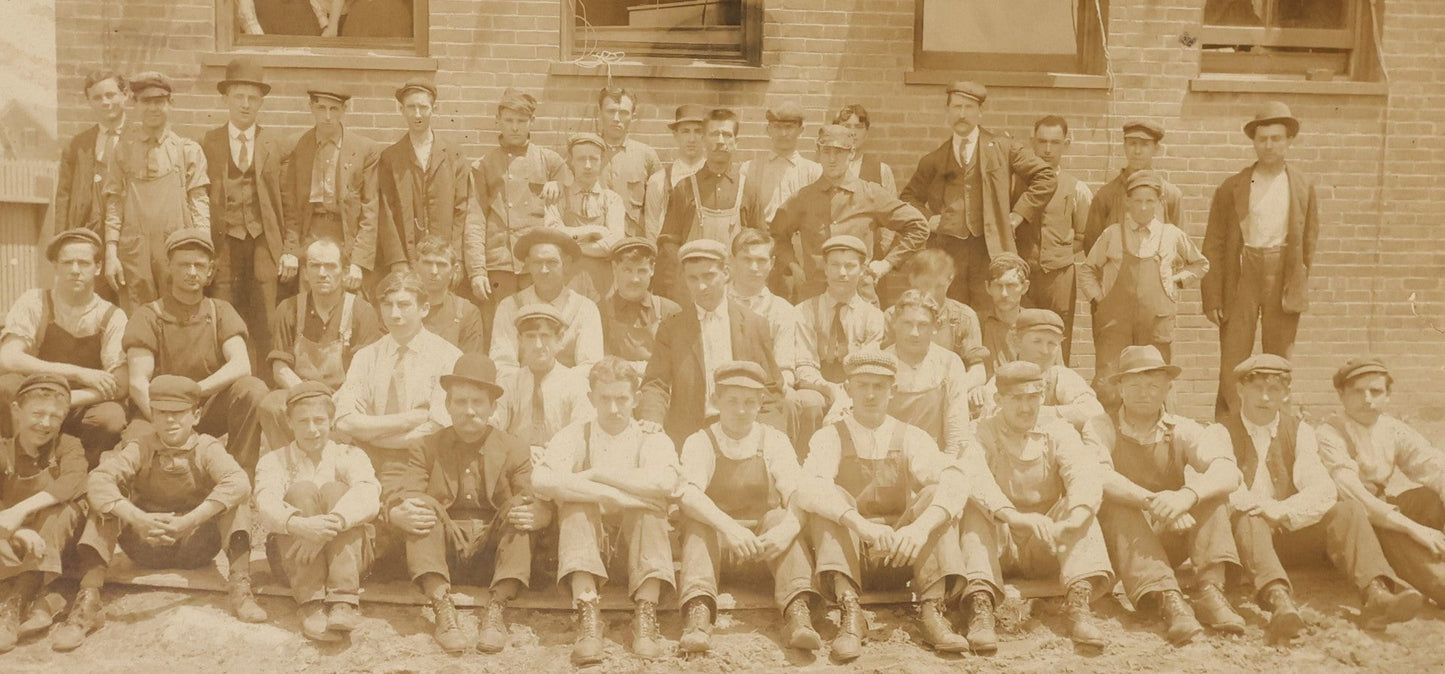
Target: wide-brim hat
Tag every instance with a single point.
(244, 70)
(1272, 112)
(475, 369)
(1141, 359)
(540, 235)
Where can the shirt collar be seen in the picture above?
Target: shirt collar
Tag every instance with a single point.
(849, 183)
(680, 164)
(792, 157)
(250, 133)
(959, 142)
(721, 311)
(323, 142)
(118, 128)
(728, 174)
(1148, 227)
(761, 295)
(1272, 427)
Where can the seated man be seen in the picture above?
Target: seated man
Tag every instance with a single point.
(42, 481)
(463, 500)
(316, 498)
(1286, 506)
(1156, 512)
(740, 478)
(1366, 450)
(187, 334)
(1035, 338)
(837, 322)
(391, 397)
(70, 331)
(931, 390)
(449, 316)
(171, 499)
(611, 478)
(930, 271)
(550, 258)
(1044, 487)
(879, 495)
(315, 335)
(543, 396)
(631, 313)
(1008, 284)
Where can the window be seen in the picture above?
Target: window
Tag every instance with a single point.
(1316, 39)
(717, 31)
(1064, 36)
(373, 25)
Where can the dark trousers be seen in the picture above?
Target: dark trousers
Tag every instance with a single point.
(104, 532)
(334, 575)
(970, 267)
(473, 551)
(1145, 559)
(504, 285)
(234, 412)
(1421, 569)
(1256, 302)
(246, 277)
(97, 426)
(57, 526)
(1344, 536)
(1055, 290)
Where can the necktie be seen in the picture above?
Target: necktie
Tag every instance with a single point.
(589, 205)
(539, 414)
(840, 334)
(243, 156)
(396, 402)
(112, 138)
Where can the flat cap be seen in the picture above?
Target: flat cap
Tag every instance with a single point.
(1138, 359)
(1144, 178)
(1038, 319)
(539, 310)
(174, 393)
(633, 243)
(307, 390)
(973, 90)
(845, 242)
(871, 361)
(477, 369)
(703, 249)
(43, 381)
(787, 111)
(541, 235)
(190, 237)
(742, 373)
(1262, 363)
(688, 113)
(586, 139)
(518, 101)
(836, 135)
(1019, 376)
(1144, 128)
(329, 93)
(416, 85)
(78, 235)
(150, 84)
(1359, 367)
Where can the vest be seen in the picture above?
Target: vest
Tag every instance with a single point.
(963, 198)
(241, 214)
(1280, 461)
(870, 169)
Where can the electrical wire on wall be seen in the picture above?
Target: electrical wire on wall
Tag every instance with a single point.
(587, 55)
(1379, 30)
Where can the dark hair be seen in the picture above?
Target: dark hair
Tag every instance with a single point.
(752, 236)
(436, 245)
(930, 261)
(612, 369)
(615, 93)
(1005, 263)
(401, 281)
(853, 110)
(97, 76)
(1052, 120)
(914, 298)
(725, 115)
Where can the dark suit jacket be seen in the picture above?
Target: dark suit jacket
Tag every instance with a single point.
(1014, 181)
(75, 188)
(674, 390)
(434, 466)
(355, 193)
(1224, 241)
(266, 157)
(444, 203)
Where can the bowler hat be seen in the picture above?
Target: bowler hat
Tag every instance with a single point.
(1272, 112)
(690, 112)
(244, 70)
(476, 369)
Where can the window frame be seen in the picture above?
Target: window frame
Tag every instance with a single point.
(1356, 59)
(750, 40)
(1090, 58)
(419, 44)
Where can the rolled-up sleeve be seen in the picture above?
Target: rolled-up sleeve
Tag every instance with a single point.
(117, 467)
(1083, 477)
(1201, 451)
(931, 467)
(973, 463)
(698, 461)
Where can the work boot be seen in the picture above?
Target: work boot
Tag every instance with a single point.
(937, 633)
(696, 626)
(1285, 622)
(87, 615)
(646, 637)
(1179, 618)
(343, 617)
(848, 645)
(314, 624)
(493, 636)
(449, 633)
(1082, 628)
(1215, 612)
(1383, 607)
(587, 650)
(9, 618)
(42, 614)
(798, 626)
(243, 603)
(982, 633)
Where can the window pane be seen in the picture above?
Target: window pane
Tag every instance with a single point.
(357, 18)
(990, 26)
(1311, 13)
(659, 15)
(1234, 12)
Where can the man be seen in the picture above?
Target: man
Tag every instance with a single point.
(590, 214)
(84, 162)
(687, 132)
(449, 316)
(463, 499)
(1156, 511)
(1286, 508)
(69, 331)
(202, 339)
(422, 184)
(511, 184)
(880, 496)
(1142, 140)
(838, 204)
(329, 187)
(1008, 285)
(1366, 451)
(838, 322)
(611, 477)
(740, 478)
(255, 249)
(542, 396)
(1132, 277)
(631, 313)
(316, 334)
(1046, 490)
(42, 481)
(1035, 338)
(864, 165)
(628, 162)
(770, 180)
(316, 499)
(550, 257)
(677, 388)
(930, 271)
(706, 205)
(973, 214)
(1263, 224)
(155, 184)
(1049, 245)
(932, 387)
(391, 397)
(171, 498)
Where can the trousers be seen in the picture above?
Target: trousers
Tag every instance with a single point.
(334, 575)
(1145, 558)
(702, 562)
(587, 541)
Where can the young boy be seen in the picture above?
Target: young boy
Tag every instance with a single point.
(594, 216)
(838, 322)
(631, 313)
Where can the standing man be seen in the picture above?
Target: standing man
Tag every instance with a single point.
(687, 132)
(771, 180)
(254, 248)
(83, 162)
(329, 187)
(590, 214)
(422, 184)
(1142, 140)
(1260, 243)
(864, 165)
(974, 213)
(551, 258)
(631, 313)
(627, 162)
(1049, 245)
(154, 185)
(706, 205)
(449, 316)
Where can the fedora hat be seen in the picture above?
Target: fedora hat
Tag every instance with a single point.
(244, 70)
(1272, 112)
(476, 369)
(1139, 359)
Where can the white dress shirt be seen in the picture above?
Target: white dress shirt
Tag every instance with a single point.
(1268, 218)
(235, 135)
(965, 146)
(717, 344)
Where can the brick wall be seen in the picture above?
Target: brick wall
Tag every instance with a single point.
(1379, 160)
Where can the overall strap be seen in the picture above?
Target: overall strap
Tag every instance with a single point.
(845, 440)
(47, 314)
(712, 437)
(348, 303)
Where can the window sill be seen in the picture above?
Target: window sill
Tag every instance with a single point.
(681, 71)
(1006, 79)
(1251, 84)
(302, 59)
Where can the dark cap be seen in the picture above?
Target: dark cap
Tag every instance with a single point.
(1359, 367)
(1140, 359)
(1143, 128)
(973, 90)
(519, 101)
(836, 135)
(1262, 363)
(633, 243)
(150, 84)
(416, 85)
(1144, 178)
(690, 112)
(787, 111)
(43, 381)
(1019, 376)
(541, 235)
(476, 369)
(871, 361)
(741, 373)
(244, 70)
(1271, 112)
(586, 139)
(703, 249)
(307, 390)
(78, 235)
(174, 393)
(1038, 319)
(845, 242)
(190, 237)
(540, 310)
(338, 96)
